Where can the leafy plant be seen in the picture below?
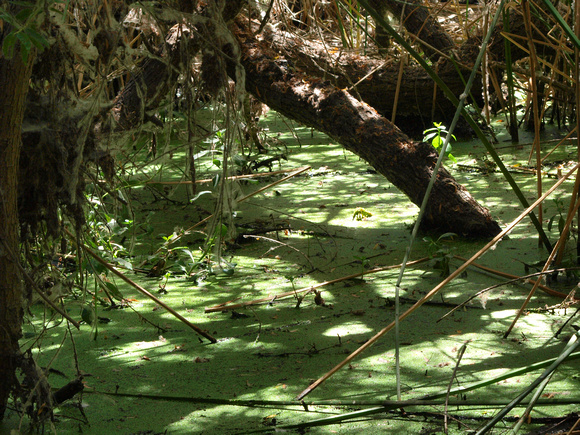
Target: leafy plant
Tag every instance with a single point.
(440, 252)
(24, 28)
(364, 264)
(559, 217)
(360, 214)
(436, 135)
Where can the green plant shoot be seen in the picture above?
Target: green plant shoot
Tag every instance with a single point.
(436, 135)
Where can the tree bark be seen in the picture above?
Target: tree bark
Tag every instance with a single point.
(376, 81)
(360, 129)
(14, 79)
(416, 18)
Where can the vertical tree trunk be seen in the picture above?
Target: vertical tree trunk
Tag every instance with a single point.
(14, 78)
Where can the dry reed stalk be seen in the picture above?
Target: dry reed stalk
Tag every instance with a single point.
(560, 142)
(535, 106)
(226, 307)
(136, 286)
(209, 180)
(559, 246)
(437, 288)
(510, 276)
(402, 63)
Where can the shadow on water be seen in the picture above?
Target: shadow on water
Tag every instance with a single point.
(274, 351)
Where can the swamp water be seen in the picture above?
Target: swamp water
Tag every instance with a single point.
(140, 379)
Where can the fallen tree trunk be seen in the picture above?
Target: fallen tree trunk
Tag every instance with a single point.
(360, 129)
(417, 20)
(377, 82)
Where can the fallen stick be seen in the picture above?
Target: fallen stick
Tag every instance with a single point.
(544, 288)
(281, 180)
(224, 307)
(209, 180)
(143, 291)
(511, 281)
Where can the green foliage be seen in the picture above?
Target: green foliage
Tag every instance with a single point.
(440, 252)
(558, 218)
(25, 28)
(364, 263)
(436, 135)
(360, 214)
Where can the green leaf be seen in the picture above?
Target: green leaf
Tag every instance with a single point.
(8, 45)
(551, 222)
(88, 315)
(38, 40)
(5, 16)
(437, 142)
(113, 290)
(430, 135)
(25, 41)
(222, 230)
(447, 236)
(126, 264)
(24, 14)
(561, 224)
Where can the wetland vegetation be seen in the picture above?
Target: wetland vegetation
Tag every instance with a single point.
(264, 216)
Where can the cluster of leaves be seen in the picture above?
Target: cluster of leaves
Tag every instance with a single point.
(436, 136)
(25, 27)
(440, 252)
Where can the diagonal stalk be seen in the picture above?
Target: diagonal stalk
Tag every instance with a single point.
(570, 347)
(440, 83)
(436, 289)
(430, 398)
(460, 108)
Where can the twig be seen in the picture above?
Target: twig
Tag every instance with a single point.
(453, 376)
(209, 180)
(246, 236)
(544, 288)
(511, 281)
(281, 180)
(34, 286)
(559, 331)
(224, 307)
(559, 245)
(143, 291)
